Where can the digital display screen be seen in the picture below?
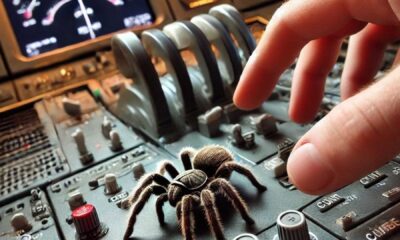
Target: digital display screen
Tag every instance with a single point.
(44, 25)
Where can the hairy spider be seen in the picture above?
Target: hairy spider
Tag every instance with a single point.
(204, 176)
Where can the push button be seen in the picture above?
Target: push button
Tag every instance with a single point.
(327, 203)
(385, 226)
(393, 194)
(372, 179)
(347, 221)
(285, 148)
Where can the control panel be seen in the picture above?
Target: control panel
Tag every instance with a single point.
(51, 139)
(87, 132)
(36, 84)
(30, 217)
(345, 210)
(30, 152)
(109, 185)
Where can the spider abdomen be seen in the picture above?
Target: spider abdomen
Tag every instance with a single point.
(210, 158)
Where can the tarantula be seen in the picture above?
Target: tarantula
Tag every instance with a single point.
(204, 176)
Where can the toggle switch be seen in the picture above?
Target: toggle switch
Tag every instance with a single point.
(277, 166)
(20, 223)
(285, 148)
(106, 127)
(79, 138)
(116, 144)
(35, 195)
(210, 121)
(111, 184)
(347, 221)
(232, 113)
(265, 125)
(138, 170)
(246, 141)
(72, 107)
(85, 155)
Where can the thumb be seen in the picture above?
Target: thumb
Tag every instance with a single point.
(358, 136)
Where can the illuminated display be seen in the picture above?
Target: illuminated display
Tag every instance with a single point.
(45, 25)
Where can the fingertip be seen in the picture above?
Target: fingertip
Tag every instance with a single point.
(249, 95)
(244, 101)
(308, 171)
(299, 117)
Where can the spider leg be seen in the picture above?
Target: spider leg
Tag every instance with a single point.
(179, 211)
(185, 155)
(213, 219)
(146, 194)
(223, 186)
(187, 216)
(145, 181)
(159, 204)
(225, 170)
(169, 167)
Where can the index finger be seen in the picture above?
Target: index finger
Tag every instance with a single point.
(295, 24)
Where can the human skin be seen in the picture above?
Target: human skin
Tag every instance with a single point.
(363, 132)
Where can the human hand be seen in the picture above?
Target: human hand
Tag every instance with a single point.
(363, 132)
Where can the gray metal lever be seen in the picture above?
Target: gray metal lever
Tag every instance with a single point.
(233, 21)
(143, 104)
(187, 36)
(230, 63)
(177, 87)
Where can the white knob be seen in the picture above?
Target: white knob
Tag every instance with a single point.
(116, 144)
(106, 127)
(79, 138)
(111, 184)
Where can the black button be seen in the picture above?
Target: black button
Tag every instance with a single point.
(372, 179)
(329, 202)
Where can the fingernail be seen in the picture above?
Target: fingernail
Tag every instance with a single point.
(307, 170)
(395, 4)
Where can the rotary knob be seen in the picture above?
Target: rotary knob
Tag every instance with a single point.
(76, 200)
(20, 223)
(292, 225)
(79, 137)
(106, 127)
(116, 144)
(246, 236)
(87, 223)
(138, 170)
(111, 184)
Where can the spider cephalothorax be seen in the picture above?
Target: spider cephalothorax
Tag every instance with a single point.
(184, 183)
(206, 173)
